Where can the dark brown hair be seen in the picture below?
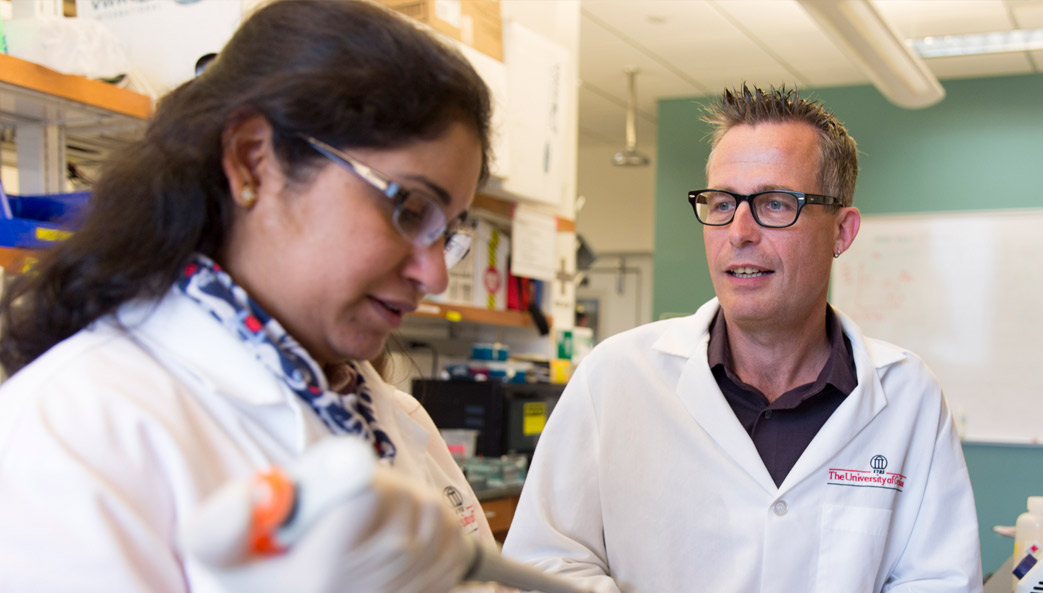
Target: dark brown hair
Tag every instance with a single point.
(838, 169)
(350, 73)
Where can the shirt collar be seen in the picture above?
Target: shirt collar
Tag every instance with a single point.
(838, 371)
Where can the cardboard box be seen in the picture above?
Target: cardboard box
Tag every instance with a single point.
(476, 23)
(480, 279)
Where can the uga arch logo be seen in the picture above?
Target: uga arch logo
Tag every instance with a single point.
(466, 513)
(876, 476)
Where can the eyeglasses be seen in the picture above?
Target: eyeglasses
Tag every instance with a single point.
(418, 216)
(774, 209)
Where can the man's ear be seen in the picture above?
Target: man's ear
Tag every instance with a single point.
(848, 223)
(247, 156)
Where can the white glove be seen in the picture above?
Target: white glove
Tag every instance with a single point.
(355, 526)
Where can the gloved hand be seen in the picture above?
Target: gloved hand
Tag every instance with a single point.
(354, 526)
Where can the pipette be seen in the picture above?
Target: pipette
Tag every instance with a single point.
(281, 510)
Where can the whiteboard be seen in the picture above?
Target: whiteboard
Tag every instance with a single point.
(964, 291)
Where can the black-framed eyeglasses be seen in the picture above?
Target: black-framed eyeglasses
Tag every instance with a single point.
(418, 216)
(776, 209)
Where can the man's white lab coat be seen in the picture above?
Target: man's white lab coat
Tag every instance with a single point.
(96, 475)
(643, 473)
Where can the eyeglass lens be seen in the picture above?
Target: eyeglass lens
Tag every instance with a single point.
(457, 246)
(769, 209)
(421, 220)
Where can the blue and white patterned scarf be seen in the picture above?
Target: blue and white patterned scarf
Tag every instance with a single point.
(203, 281)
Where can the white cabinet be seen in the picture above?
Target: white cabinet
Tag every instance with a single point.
(535, 127)
(533, 160)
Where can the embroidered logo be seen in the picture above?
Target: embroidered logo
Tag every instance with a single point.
(874, 477)
(467, 513)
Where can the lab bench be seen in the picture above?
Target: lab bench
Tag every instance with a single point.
(499, 504)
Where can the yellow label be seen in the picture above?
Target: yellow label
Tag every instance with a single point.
(453, 315)
(534, 418)
(494, 243)
(51, 234)
(28, 263)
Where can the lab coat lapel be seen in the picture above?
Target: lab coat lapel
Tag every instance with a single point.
(181, 331)
(403, 429)
(859, 408)
(697, 389)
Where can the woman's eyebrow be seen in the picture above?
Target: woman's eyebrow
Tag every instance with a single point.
(433, 188)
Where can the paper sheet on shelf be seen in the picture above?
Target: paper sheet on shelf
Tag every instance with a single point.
(532, 243)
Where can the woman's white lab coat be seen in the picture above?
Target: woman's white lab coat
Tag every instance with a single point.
(115, 435)
(644, 473)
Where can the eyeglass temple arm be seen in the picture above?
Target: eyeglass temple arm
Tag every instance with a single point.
(823, 200)
(386, 186)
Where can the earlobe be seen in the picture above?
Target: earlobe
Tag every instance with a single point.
(246, 152)
(247, 197)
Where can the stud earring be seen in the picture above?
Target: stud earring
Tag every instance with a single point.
(247, 196)
(836, 254)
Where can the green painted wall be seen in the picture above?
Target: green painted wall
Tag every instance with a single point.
(980, 148)
(1003, 476)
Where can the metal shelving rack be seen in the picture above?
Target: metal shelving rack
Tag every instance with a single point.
(59, 117)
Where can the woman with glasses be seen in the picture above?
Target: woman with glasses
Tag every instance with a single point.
(213, 317)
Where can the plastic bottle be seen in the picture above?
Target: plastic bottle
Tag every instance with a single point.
(1028, 531)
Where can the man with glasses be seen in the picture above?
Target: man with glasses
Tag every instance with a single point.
(763, 443)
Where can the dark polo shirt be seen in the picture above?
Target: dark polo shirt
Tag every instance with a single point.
(782, 429)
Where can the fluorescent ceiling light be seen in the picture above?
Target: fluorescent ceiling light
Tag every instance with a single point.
(857, 28)
(978, 43)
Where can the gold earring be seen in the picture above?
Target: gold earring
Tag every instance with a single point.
(247, 196)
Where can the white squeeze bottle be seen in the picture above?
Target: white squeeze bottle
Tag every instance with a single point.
(1028, 531)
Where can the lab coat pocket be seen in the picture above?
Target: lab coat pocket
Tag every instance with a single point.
(851, 547)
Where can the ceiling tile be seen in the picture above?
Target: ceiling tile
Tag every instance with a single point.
(603, 56)
(1028, 14)
(981, 66)
(691, 48)
(914, 19)
(795, 42)
(658, 21)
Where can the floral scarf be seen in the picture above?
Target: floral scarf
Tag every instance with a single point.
(347, 412)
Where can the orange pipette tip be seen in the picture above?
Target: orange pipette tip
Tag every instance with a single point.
(272, 504)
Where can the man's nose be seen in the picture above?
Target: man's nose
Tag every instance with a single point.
(743, 228)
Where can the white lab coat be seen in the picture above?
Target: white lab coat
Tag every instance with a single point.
(114, 436)
(643, 473)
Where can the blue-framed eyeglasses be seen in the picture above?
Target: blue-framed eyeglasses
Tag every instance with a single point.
(774, 209)
(418, 216)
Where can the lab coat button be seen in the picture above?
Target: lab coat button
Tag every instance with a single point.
(779, 508)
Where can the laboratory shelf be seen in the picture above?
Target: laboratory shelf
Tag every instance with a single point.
(93, 117)
(31, 92)
(463, 313)
(504, 209)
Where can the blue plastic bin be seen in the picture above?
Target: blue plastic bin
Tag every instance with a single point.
(35, 222)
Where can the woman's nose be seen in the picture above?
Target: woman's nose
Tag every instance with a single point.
(427, 268)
